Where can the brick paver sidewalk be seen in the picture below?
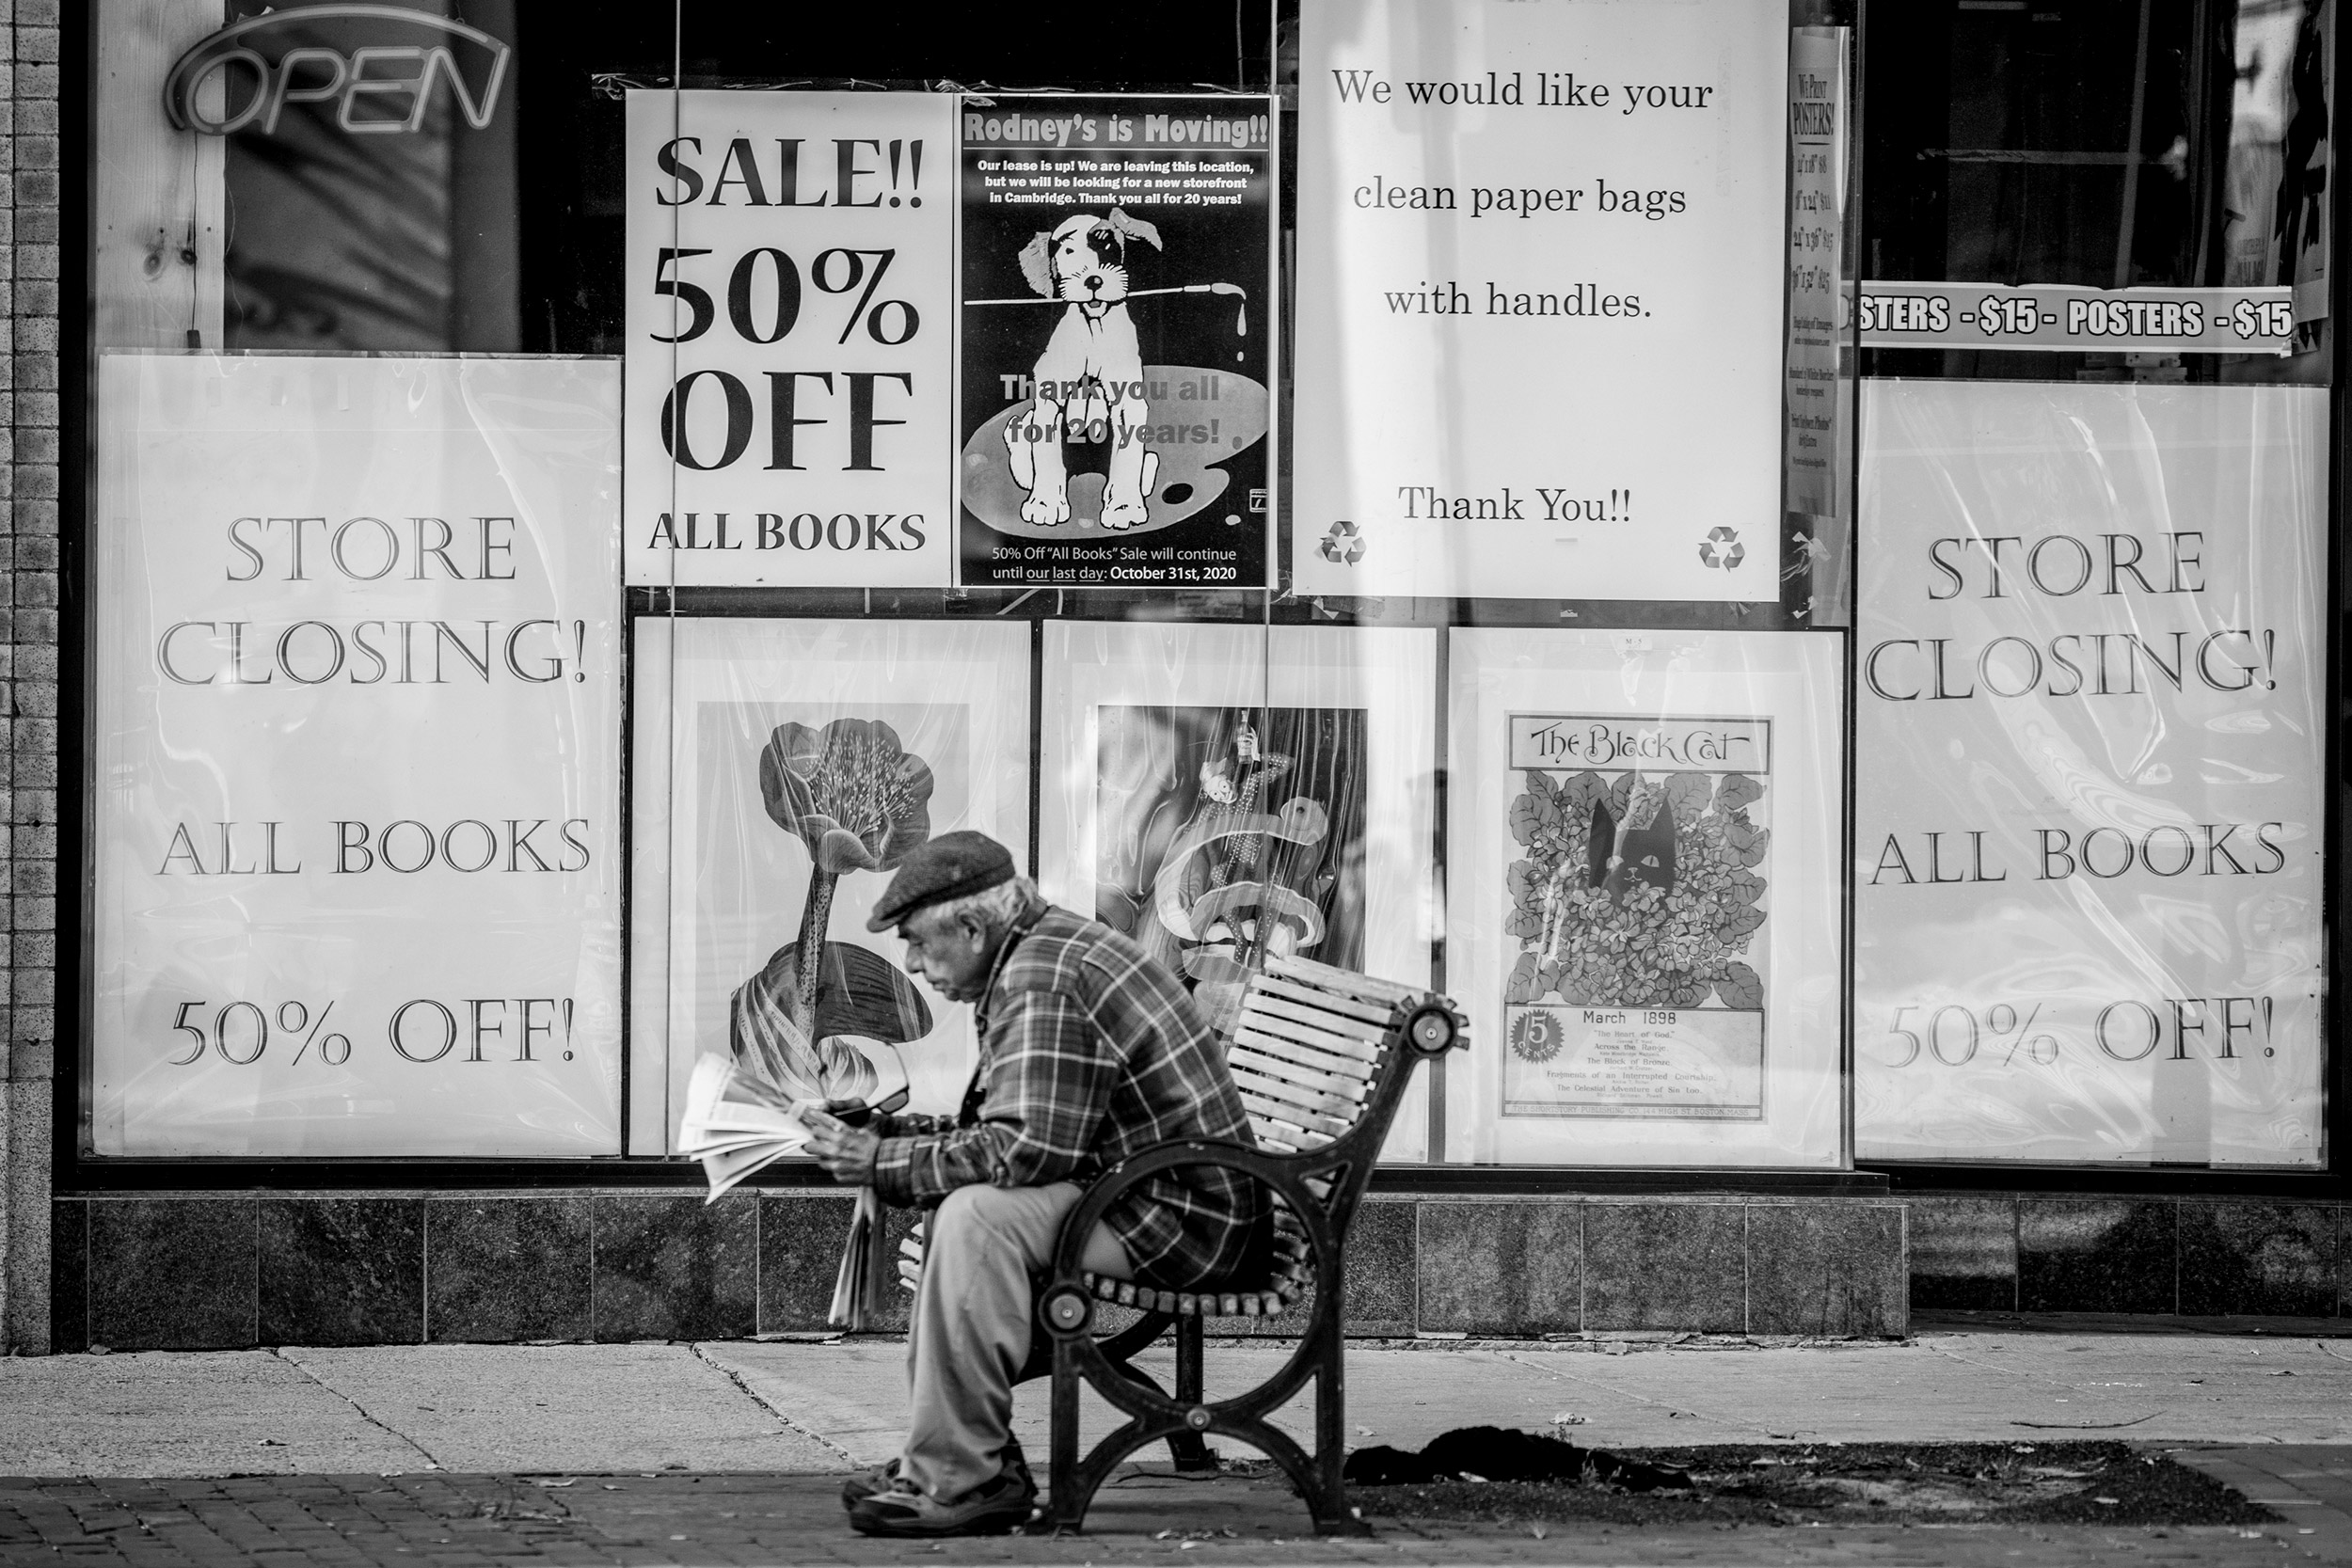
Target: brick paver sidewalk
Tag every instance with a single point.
(676, 1518)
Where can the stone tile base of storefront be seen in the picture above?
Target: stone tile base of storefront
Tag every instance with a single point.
(204, 1271)
(2202, 1260)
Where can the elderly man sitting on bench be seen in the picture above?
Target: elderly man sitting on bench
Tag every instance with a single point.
(1090, 1052)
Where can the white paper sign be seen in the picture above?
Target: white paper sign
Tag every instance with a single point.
(2088, 798)
(357, 727)
(791, 338)
(1540, 262)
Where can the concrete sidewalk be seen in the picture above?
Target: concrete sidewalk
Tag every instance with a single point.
(816, 1407)
(2260, 1413)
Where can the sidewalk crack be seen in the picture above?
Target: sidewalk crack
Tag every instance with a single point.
(1624, 1392)
(359, 1409)
(2081, 1388)
(753, 1394)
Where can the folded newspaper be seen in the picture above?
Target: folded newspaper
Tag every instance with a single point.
(735, 1122)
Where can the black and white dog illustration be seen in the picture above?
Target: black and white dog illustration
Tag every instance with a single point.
(1091, 376)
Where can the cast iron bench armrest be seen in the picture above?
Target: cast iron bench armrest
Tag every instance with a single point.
(1067, 1308)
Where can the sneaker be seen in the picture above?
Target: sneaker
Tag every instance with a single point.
(990, 1508)
(869, 1483)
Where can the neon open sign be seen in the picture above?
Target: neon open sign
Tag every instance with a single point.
(382, 70)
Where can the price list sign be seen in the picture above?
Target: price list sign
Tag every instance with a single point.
(2066, 318)
(789, 323)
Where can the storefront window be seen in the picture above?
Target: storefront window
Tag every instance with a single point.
(2090, 742)
(1819, 645)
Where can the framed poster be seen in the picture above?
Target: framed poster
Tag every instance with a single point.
(791, 338)
(1220, 793)
(2089, 799)
(1643, 897)
(355, 716)
(1642, 908)
(1540, 246)
(1117, 340)
(783, 769)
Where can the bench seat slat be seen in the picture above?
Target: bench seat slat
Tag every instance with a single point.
(1327, 1019)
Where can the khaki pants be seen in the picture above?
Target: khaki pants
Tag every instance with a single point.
(972, 1324)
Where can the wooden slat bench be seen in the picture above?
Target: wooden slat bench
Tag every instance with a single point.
(1323, 1057)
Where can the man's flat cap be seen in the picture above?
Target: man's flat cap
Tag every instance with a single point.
(949, 866)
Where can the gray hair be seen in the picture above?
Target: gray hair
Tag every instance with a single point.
(993, 908)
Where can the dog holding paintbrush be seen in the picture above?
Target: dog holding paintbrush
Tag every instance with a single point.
(1091, 376)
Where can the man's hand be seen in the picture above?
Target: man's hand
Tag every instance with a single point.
(848, 1153)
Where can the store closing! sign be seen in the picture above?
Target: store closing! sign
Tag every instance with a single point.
(357, 723)
(1541, 256)
(790, 325)
(2089, 800)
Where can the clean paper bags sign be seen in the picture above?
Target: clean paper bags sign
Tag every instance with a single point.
(356, 734)
(2089, 773)
(1540, 310)
(790, 412)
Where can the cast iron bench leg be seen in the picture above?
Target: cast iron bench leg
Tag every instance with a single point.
(1327, 1498)
(1189, 1449)
(1066, 1508)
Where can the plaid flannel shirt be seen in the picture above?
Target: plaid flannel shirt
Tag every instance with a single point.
(1090, 1052)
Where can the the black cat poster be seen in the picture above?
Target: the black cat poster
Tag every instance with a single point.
(1640, 903)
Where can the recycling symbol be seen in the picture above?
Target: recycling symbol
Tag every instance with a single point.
(1721, 547)
(1343, 545)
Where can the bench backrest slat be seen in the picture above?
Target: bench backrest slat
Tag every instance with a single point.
(1264, 989)
(1309, 1056)
(1321, 1079)
(1269, 1087)
(1289, 1035)
(1381, 993)
(1345, 1027)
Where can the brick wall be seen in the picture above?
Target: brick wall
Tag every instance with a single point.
(30, 317)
